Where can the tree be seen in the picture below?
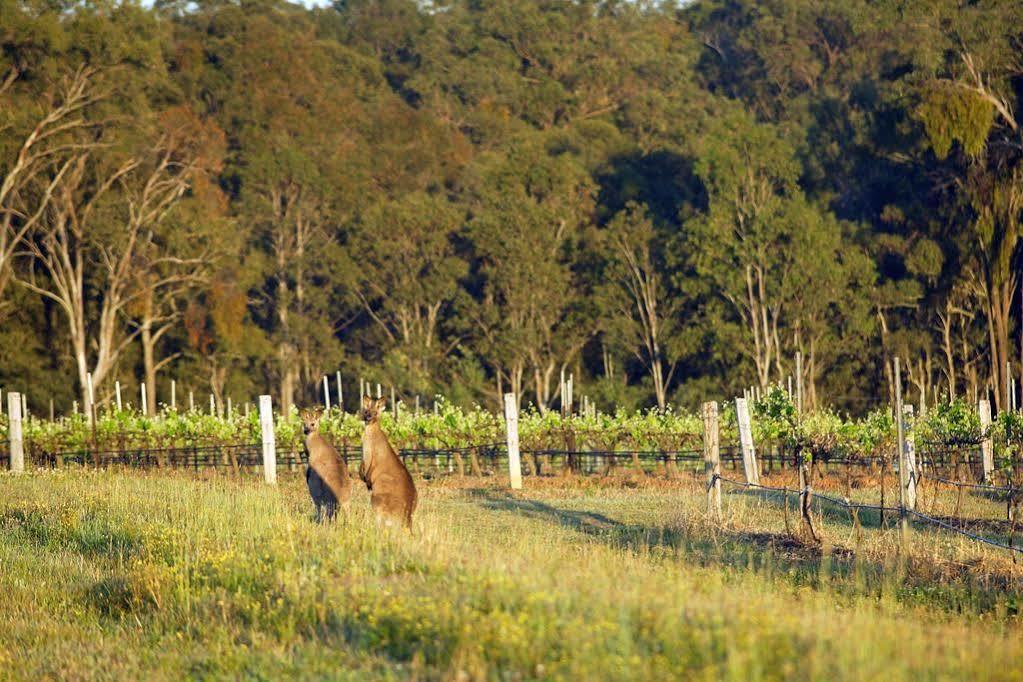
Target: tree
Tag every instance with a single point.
(529, 209)
(647, 311)
(406, 273)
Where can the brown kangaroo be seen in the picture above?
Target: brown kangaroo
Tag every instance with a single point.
(327, 473)
(392, 492)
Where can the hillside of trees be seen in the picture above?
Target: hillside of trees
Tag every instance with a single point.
(465, 198)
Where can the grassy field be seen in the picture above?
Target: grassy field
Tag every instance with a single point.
(109, 575)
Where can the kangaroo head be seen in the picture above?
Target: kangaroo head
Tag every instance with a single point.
(311, 419)
(372, 408)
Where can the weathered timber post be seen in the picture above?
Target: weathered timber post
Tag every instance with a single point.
(799, 383)
(749, 456)
(987, 451)
(326, 394)
(909, 456)
(266, 426)
(712, 458)
(14, 433)
(90, 411)
(511, 421)
(901, 432)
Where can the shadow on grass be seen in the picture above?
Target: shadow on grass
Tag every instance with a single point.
(91, 536)
(785, 555)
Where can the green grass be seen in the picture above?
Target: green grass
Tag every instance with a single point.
(109, 575)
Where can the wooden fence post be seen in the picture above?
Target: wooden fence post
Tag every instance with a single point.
(799, 383)
(117, 394)
(749, 455)
(326, 394)
(90, 411)
(142, 393)
(14, 432)
(987, 451)
(901, 433)
(511, 421)
(340, 393)
(909, 456)
(712, 458)
(174, 396)
(1008, 388)
(191, 402)
(266, 426)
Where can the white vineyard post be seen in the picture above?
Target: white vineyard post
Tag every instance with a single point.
(266, 427)
(511, 420)
(749, 455)
(909, 456)
(89, 410)
(14, 432)
(901, 433)
(986, 445)
(799, 383)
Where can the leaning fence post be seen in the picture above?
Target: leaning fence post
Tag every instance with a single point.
(266, 426)
(909, 455)
(511, 421)
(749, 455)
(14, 432)
(712, 458)
(326, 394)
(987, 451)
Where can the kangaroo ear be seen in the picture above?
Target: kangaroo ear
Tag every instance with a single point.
(381, 404)
(367, 402)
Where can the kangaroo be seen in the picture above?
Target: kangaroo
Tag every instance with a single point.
(327, 473)
(392, 492)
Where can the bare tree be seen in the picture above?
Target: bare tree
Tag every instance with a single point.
(44, 158)
(648, 311)
(88, 246)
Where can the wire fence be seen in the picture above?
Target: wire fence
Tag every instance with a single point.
(492, 459)
(1011, 493)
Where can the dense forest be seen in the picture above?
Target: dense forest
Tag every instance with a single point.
(465, 198)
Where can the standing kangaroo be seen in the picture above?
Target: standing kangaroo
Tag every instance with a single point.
(392, 493)
(327, 473)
